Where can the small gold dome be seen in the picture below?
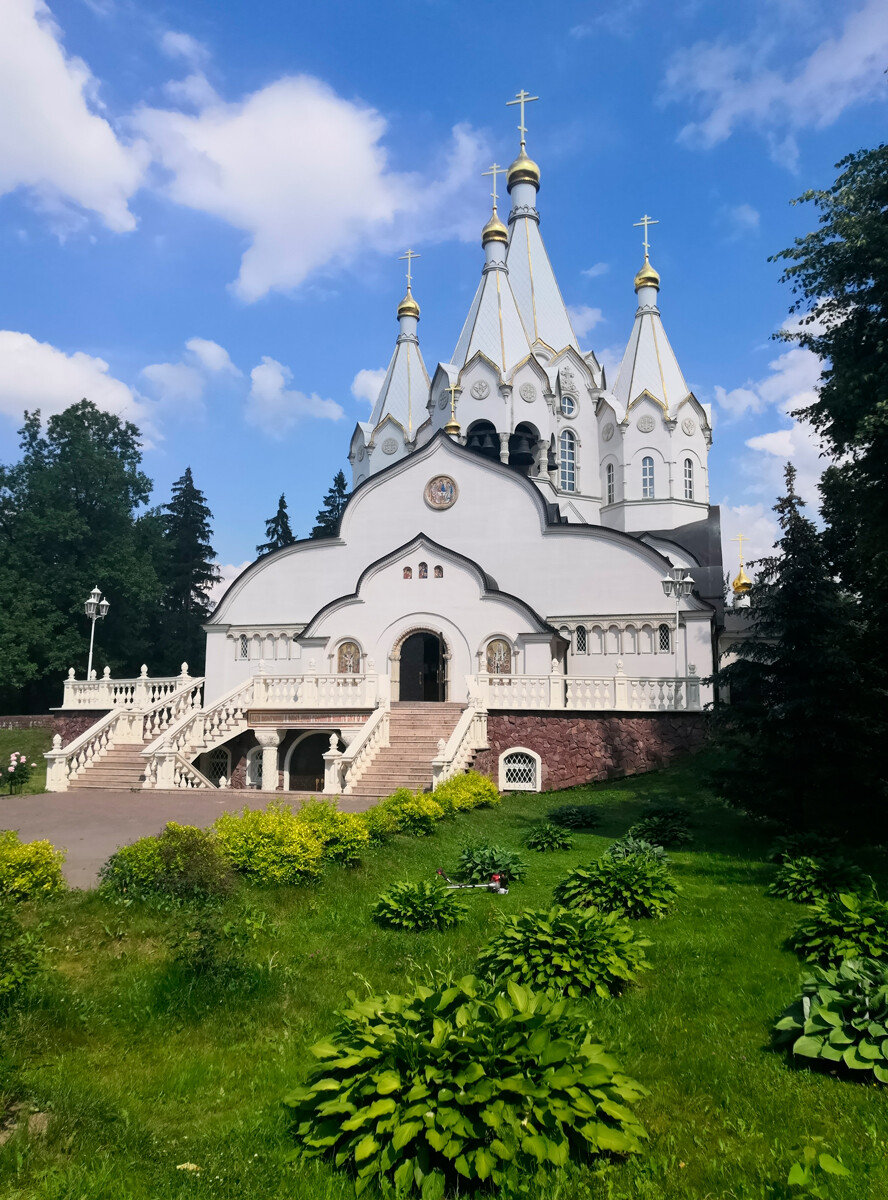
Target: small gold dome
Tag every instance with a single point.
(494, 231)
(452, 427)
(647, 276)
(408, 306)
(523, 170)
(742, 583)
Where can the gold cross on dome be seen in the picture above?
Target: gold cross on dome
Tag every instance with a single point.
(522, 98)
(645, 221)
(741, 538)
(410, 255)
(495, 170)
(453, 389)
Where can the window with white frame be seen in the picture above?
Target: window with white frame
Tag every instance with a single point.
(244, 646)
(664, 638)
(610, 486)
(689, 478)
(647, 478)
(568, 405)
(254, 768)
(581, 644)
(519, 770)
(217, 765)
(568, 462)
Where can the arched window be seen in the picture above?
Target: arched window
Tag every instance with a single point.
(439, 572)
(499, 657)
(581, 647)
(689, 478)
(630, 640)
(423, 570)
(610, 484)
(595, 640)
(348, 660)
(244, 646)
(254, 767)
(408, 572)
(217, 765)
(519, 771)
(647, 639)
(647, 478)
(664, 639)
(613, 639)
(568, 462)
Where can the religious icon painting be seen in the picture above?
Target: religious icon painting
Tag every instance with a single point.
(349, 659)
(499, 657)
(439, 572)
(440, 492)
(423, 570)
(408, 572)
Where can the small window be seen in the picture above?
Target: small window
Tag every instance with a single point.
(423, 570)
(580, 641)
(665, 640)
(254, 768)
(689, 478)
(647, 478)
(348, 660)
(439, 572)
(568, 405)
(568, 462)
(218, 765)
(609, 484)
(244, 646)
(499, 657)
(520, 771)
(408, 572)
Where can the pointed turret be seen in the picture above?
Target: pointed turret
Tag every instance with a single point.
(405, 389)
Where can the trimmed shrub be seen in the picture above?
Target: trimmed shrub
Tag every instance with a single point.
(843, 926)
(636, 886)
(29, 869)
(663, 828)
(463, 1089)
(802, 845)
(464, 792)
(345, 835)
(417, 907)
(182, 863)
(566, 951)
(381, 824)
(575, 816)
(840, 1020)
(19, 956)
(413, 813)
(271, 845)
(477, 863)
(808, 879)
(633, 847)
(549, 837)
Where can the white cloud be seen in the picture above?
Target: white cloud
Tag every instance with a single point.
(593, 272)
(274, 408)
(195, 91)
(757, 523)
(176, 384)
(791, 384)
(367, 385)
(228, 572)
(745, 84)
(584, 319)
(183, 45)
(738, 220)
(211, 355)
(610, 358)
(53, 142)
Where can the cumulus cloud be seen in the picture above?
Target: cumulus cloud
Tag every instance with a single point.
(738, 220)
(211, 355)
(180, 387)
(584, 319)
(757, 523)
(53, 141)
(744, 84)
(791, 384)
(275, 408)
(593, 272)
(367, 385)
(228, 573)
(183, 45)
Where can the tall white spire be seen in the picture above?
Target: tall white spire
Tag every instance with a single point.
(405, 389)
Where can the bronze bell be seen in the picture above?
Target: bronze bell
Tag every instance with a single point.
(521, 450)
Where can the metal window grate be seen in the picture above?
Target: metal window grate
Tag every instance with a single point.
(664, 637)
(520, 770)
(217, 765)
(244, 646)
(581, 639)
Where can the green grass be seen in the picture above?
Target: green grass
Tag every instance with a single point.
(31, 742)
(142, 1071)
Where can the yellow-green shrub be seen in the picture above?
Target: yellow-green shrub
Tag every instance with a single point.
(345, 835)
(29, 869)
(413, 812)
(464, 792)
(271, 845)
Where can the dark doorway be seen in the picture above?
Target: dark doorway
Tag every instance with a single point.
(307, 763)
(422, 668)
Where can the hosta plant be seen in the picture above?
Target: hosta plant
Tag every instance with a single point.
(840, 1020)
(463, 1089)
(477, 863)
(575, 816)
(808, 879)
(568, 952)
(638, 887)
(805, 844)
(633, 847)
(663, 828)
(843, 926)
(547, 836)
(417, 907)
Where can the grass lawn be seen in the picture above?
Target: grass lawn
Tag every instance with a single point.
(141, 1071)
(31, 742)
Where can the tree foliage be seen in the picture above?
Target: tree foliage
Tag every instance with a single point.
(188, 569)
(332, 508)
(277, 530)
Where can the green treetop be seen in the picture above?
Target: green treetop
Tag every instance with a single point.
(190, 572)
(277, 530)
(334, 503)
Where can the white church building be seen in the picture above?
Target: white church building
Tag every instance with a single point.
(526, 578)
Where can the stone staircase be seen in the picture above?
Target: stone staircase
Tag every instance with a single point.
(414, 731)
(120, 769)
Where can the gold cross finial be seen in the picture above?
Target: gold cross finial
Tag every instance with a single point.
(452, 426)
(522, 98)
(741, 538)
(645, 221)
(495, 170)
(410, 255)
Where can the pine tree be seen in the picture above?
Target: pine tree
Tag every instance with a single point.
(334, 503)
(277, 530)
(189, 573)
(793, 741)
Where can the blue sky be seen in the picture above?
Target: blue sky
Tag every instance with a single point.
(202, 207)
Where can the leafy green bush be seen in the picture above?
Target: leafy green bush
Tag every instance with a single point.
(808, 879)
(345, 835)
(417, 907)
(271, 845)
(477, 863)
(19, 956)
(29, 869)
(566, 951)
(464, 792)
(633, 847)
(637, 887)
(547, 836)
(414, 813)
(841, 1019)
(203, 941)
(381, 824)
(807, 844)
(665, 827)
(463, 1089)
(575, 816)
(182, 863)
(843, 926)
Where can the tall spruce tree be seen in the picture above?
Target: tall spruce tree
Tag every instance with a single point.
(277, 530)
(189, 574)
(793, 742)
(334, 502)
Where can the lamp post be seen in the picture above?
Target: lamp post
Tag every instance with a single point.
(680, 584)
(96, 609)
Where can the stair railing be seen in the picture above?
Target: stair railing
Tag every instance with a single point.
(355, 760)
(195, 732)
(469, 736)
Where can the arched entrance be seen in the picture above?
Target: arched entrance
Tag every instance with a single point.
(422, 673)
(307, 763)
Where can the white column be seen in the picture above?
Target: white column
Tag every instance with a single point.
(269, 740)
(332, 769)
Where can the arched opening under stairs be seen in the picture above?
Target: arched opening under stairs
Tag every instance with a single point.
(307, 763)
(422, 673)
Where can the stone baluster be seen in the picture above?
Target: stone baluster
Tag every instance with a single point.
(439, 764)
(332, 768)
(621, 688)
(269, 740)
(693, 687)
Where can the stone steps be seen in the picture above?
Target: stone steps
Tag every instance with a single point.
(414, 732)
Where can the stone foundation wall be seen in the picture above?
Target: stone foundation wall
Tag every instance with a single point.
(70, 725)
(578, 748)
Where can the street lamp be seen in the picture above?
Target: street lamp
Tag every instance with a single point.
(96, 609)
(680, 585)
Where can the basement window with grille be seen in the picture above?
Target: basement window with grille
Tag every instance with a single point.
(519, 770)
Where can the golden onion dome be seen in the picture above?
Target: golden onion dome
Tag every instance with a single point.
(647, 276)
(452, 427)
(494, 231)
(523, 170)
(742, 583)
(408, 306)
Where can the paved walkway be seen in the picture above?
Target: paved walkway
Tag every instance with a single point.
(91, 824)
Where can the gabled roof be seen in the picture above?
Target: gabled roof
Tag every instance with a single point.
(535, 288)
(649, 364)
(494, 325)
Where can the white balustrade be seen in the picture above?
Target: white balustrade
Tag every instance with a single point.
(315, 691)
(363, 750)
(580, 693)
(469, 736)
(111, 693)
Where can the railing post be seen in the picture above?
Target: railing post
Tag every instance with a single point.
(439, 764)
(68, 700)
(556, 686)
(142, 691)
(621, 687)
(260, 688)
(693, 686)
(165, 779)
(56, 766)
(104, 695)
(332, 768)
